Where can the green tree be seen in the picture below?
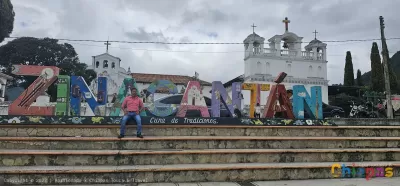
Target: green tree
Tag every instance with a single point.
(392, 79)
(348, 71)
(42, 52)
(6, 19)
(376, 70)
(359, 80)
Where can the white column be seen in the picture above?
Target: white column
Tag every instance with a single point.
(250, 49)
(298, 53)
(324, 53)
(315, 53)
(3, 87)
(278, 46)
(246, 51)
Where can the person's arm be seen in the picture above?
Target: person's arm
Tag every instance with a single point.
(123, 106)
(141, 107)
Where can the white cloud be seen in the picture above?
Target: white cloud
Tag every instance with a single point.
(205, 21)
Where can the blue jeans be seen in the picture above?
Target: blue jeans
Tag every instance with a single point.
(125, 119)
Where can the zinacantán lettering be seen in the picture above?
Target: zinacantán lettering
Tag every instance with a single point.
(71, 90)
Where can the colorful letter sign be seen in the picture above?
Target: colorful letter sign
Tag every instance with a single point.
(220, 95)
(172, 89)
(63, 98)
(193, 99)
(123, 91)
(255, 93)
(22, 105)
(72, 90)
(278, 94)
(302, 101)
(80, 89)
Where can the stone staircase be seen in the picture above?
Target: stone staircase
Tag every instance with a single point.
(83, 154)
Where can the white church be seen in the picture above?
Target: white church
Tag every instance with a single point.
(283, 53)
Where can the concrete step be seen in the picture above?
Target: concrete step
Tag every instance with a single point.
(198, 130)
(200, 156)
(315, 182)
(194, 142)
(51, 175)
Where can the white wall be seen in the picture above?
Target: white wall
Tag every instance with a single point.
(110, 60)
(299, 68)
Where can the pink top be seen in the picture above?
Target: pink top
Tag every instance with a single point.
(132, 104)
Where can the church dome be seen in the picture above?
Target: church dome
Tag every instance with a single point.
(254, 37)
(315, 41)
(290, 34)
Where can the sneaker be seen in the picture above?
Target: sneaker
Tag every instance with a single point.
(121, 136)
(139, 136)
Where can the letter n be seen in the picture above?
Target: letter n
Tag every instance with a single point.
(302, 100)
(80, 89)
(123, 91)
(47, 76)
(219, 94)
(193, 99)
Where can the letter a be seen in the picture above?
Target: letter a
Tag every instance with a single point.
(278, 94)
(193, 99)
(80, 89)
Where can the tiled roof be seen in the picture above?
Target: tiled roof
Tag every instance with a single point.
(236, 79)
(177, 79)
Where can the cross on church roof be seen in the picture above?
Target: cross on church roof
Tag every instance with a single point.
(253, 27)
(315, 34)
(286, 21)
(107, 43)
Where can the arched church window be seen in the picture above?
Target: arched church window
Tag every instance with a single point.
(267, 68)
(319, 71)
(259, 68)
(256, 49)
(97, 64)
(105, 64)
(113, 65)
(319, 53)
(310, 71)
(256, 44)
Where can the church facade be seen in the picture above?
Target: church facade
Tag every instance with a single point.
(264, 60)
(106, 65)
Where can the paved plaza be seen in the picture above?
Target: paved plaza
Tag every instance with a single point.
(325, 182)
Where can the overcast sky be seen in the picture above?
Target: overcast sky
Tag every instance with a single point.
(207, 21)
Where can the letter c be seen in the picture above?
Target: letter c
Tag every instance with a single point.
(336, 165)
